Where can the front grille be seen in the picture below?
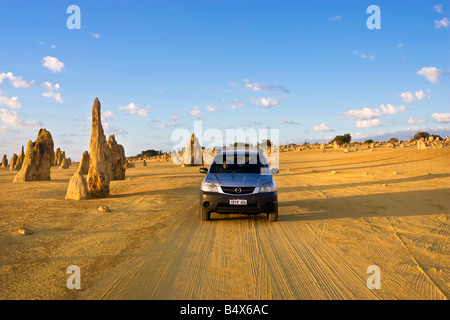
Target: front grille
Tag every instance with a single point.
(226, 208)
(234, 190)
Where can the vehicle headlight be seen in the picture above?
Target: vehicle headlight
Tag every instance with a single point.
(208, 187)
(268, 187)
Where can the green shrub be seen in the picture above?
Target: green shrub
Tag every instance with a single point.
(340, 140)
(420, 135)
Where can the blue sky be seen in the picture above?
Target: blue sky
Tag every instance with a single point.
(311, 69)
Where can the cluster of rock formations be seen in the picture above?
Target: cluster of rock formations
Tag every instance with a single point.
(105, 162)
(358, 146)
(16, 161)
(35, 164)
(131, 161)
(61, 161)
(192, 155)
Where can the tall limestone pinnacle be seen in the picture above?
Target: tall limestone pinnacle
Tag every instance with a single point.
(118, 159)
(193, 153)
(99, 174)
(21, 157)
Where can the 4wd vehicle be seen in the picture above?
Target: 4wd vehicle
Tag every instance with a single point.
(239, 182)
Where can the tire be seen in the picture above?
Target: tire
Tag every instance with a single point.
(204, 214)
(273, 216)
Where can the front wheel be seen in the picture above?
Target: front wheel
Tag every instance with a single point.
(273, 216)
(204, 214)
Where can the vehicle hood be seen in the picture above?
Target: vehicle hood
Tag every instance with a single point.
(238, 179)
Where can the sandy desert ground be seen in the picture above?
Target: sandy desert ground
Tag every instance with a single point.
(152, 245)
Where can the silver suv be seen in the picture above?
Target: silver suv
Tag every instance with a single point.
(239, 182)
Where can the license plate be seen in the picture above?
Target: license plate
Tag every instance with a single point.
(238, 202)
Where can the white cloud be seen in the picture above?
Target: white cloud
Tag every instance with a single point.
(265, 102)
(212, 108)
(95, 35)
(438, 8)
(53, 46)
(389, 109)
(110, 129)
(11, 118)
(108, 115)
(407, 97)
(158, 124)
(412, 121)
(236, 104)
(441, 117)
(52, 91)
(323, 127)
(53, 64)
(54, 95)
(371, 57)
(282, 121)
(17, 82)
(263, 86)
(420, 95)
(368, 123)
(431, 73)
(400, 45)
(362, 114)
(13, 103)
(47, 85)
(133, 109)
(195, 112)
(233, 84)
(444, 23)
(335, 18)
(368, 113)
(175, 116)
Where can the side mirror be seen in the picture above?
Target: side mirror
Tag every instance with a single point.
(203, 170)
(274, 171)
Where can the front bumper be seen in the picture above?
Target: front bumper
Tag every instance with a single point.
(256, 202)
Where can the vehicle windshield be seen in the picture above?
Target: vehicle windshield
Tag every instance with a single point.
(239, 163)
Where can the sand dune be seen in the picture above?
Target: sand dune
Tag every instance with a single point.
(152, 245)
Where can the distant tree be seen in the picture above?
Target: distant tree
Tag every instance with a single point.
(420, 135)
(436, 137)
(267, 142)
(393, 140)
(149, 153)
(347, 137)
(242, 144)
(340, 140)
(369, 141)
